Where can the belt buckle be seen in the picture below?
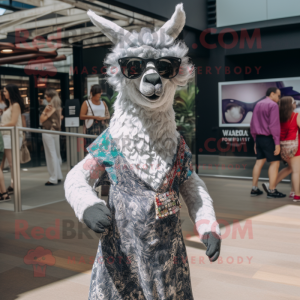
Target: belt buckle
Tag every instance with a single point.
(166, 204)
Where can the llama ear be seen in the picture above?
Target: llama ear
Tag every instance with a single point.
(113, 31)
(174, 26)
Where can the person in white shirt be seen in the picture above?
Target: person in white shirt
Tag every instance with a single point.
(95, 113)
(51, 120)
(11, 117)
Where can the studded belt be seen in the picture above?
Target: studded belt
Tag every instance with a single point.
(166, 204)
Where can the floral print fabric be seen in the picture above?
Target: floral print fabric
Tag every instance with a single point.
(140, 257)
(105, 152)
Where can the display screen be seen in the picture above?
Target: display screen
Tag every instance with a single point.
(238, 99)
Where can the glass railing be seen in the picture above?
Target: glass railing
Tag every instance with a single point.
(29, 178)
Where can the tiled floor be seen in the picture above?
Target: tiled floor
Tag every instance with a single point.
(262, 262)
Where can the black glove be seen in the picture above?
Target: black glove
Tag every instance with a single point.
(97, 217)
(212, 241)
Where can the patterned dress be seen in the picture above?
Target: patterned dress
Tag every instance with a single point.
(142, 255)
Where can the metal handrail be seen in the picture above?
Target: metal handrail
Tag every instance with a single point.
(15, 146)
(55, 132)
(6, 128)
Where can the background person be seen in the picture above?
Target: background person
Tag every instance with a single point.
(3, 194)
(51, 120)
(3, 103)
(265, 129)
(95, 113)
(290, 123)
(11, 117)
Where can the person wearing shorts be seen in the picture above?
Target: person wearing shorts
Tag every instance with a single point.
(265, 129)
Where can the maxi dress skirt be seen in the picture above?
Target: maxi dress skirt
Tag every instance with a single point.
(140, 256)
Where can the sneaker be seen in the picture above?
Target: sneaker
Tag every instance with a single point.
(266, 187)
(256, 192)
(275, 194)
(292, 194)
(296, 198)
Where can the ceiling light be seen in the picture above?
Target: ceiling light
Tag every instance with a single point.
(71, 88)
(7, 51)
(41, 84)
(22, 89)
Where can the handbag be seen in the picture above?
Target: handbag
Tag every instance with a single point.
(289, 148)
(53, 122)
(24, 152)
(96, 126)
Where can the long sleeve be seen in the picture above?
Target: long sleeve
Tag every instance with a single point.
(200, 205)
(274, 124)
(78, 185)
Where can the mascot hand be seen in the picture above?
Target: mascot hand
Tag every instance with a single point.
(212, 241)
(97, 217)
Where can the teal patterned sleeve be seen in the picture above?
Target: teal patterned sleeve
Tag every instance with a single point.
(105, 153)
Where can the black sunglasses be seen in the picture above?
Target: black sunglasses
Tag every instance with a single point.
(133, 67)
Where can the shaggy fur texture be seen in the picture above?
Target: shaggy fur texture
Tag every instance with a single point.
(145, 131)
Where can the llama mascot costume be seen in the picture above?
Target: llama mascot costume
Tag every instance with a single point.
(141, 253)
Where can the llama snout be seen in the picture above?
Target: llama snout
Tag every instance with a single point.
(151, 85)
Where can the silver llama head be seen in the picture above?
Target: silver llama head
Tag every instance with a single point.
(149, 90)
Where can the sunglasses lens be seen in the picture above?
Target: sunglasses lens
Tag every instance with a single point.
(132, 67)
(168, 67)
(234, 113)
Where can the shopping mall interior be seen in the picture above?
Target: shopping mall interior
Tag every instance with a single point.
(238, 49)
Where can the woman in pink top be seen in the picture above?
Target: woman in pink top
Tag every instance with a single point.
(290, 123)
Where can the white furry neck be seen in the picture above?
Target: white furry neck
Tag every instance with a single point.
(146, 138)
